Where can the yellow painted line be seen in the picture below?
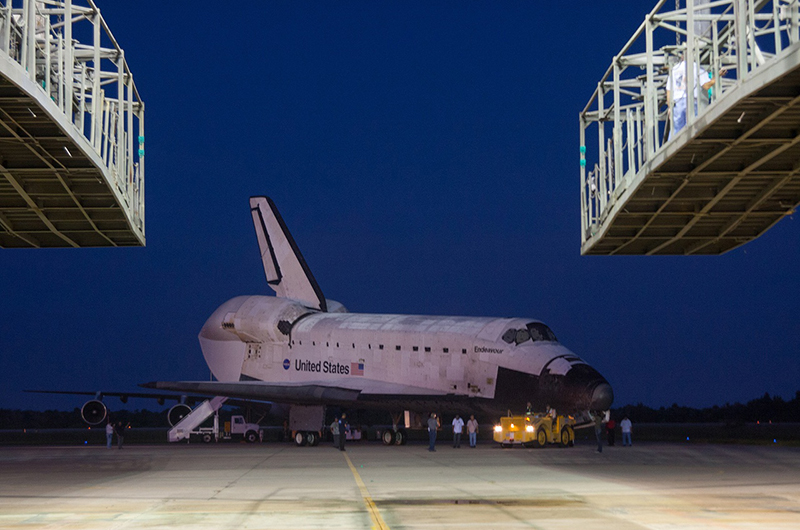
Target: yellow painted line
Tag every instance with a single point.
(377, 521)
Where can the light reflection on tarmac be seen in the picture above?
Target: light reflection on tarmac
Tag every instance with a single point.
(653, 486)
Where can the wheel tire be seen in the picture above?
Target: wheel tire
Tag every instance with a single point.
(312, 439)
(300, 438)
(571, 437)
(388, 437)
(541, 438)
(400, 438)
(251, 437)
(565, 437)
(207, 438)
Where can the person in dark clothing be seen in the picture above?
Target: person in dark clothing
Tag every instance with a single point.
(342, 431)
(119, 430)
(433, 424)
(610, 426)
(598, 430)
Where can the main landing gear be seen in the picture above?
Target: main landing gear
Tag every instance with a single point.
(309, 438)
(392, 437)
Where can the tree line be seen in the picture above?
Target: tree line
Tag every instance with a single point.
(763, 409)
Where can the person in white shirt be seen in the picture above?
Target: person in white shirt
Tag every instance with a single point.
(676, 92)
(472, 430)
(458, 426)
(109, 433)
(626, 431)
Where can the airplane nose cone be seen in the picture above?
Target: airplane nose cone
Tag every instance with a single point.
(602, 397)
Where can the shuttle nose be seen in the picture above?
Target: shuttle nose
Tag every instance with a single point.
(602, 397)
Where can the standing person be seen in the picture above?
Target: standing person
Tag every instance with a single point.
(342, 430)
(598, 430)
(109, 433)
(610, 426)
(458, 427)
(528, 409)
(676, 92)
(433, 424)
(627, 427)
(472, 430)
(335, 431)
(120, 430)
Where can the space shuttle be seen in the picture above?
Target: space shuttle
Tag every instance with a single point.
(300, 348)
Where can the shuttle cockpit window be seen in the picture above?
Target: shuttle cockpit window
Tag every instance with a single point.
(535, 331)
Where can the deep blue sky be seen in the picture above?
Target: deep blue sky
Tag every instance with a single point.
(425, 157)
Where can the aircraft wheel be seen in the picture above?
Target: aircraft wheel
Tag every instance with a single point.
(300, 438)
(388, 437)
(565, 437)
(541, 438)
(400, 438)
(251, 437)
(207, 438)
(312, 439)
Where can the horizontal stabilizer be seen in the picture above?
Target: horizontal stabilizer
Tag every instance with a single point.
(286, 269)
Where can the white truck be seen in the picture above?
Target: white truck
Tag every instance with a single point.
(235, 429)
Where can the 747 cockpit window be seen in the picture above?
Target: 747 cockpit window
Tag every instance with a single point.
(535, 331)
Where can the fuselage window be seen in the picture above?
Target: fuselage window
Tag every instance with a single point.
(446, 350)
(415, 348)
(354, 345)
(313, 343)
(380, 346)
(337, 344)
(397, 348)
(427, 348)
(463, 350)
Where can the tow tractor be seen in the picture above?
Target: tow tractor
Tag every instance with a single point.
(535, 430)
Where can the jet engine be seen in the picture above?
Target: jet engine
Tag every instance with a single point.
(177, 413)
(94, 412)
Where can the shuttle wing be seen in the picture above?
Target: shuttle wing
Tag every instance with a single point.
(286, 269)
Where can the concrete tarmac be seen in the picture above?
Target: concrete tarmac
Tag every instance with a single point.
(276, 486)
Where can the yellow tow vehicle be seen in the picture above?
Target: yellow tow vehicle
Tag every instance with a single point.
(535, 430)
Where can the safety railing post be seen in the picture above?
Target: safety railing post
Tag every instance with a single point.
(69, 62)
(601, 148)
(97, 113)
(584, 184)
(740, 15)
(651, 129)
(691, 62)
(617, 136)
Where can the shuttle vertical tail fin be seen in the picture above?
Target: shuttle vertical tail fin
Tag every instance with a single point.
(286, 269)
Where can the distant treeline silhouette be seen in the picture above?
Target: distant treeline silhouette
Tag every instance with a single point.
(763, 409)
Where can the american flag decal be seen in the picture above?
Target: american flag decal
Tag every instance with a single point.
(356, 368)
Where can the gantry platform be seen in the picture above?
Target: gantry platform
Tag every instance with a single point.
(71, 153)
(731, 173)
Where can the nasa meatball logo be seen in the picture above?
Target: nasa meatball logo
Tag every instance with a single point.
(286, 364)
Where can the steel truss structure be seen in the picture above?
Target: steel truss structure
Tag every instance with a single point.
(733, 170)
(71, 130)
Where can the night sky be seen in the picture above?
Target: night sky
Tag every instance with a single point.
(425, 157)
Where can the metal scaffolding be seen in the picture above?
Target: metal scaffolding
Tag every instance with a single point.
(71, 130)
(655, 185)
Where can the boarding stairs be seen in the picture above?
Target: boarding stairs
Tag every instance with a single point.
(733, 171)
(71, 130)
(183, 429)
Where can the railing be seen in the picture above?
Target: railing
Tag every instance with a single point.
(630, 107)
(69, 52)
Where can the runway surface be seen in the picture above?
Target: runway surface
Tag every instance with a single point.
(276, 486)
